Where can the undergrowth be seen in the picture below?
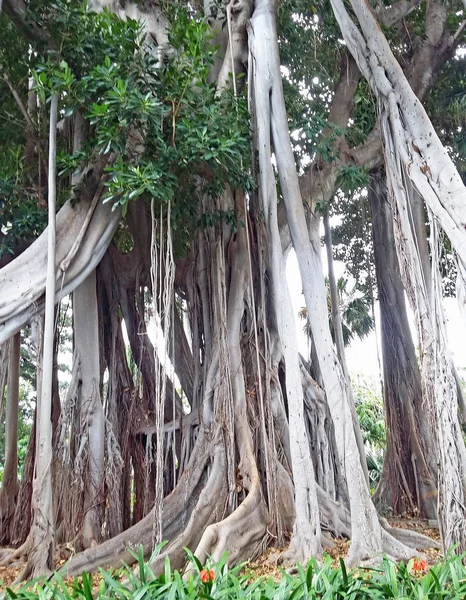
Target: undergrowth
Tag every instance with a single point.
(444, 580)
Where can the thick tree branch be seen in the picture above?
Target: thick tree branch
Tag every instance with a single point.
(389, 15)
(319, 182)
(320, 179)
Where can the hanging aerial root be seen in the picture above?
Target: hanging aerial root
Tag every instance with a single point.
(118, 549)
(209, 509)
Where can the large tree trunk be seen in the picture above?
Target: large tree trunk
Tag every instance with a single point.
(234, 489)
(414, 151)
(84, 231)
(409, 476)
(306, 540)
(367, 537)
(10, 487)
(437, 374)
(89, 465)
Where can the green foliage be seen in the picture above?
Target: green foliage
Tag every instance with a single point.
(364, 115)
(352, 178)
(445, 580)
(370, 410)
(354, 308)
(154, 127)
(356, 319)
(352, 239)
(22, 216)
(371, 416)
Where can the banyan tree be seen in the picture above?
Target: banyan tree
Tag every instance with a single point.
(160, 131)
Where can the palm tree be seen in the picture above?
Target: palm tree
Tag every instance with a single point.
(354, 310)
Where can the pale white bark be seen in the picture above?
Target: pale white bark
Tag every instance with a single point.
(438, 381)
(92, 420)
(162, 279)
(339, 343)
(306, 539)
(366, 531)
(425, 159)
(40, 559)
(413, 150)
(23, 280)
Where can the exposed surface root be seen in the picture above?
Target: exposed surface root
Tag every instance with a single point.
(410, 538)
(208, 510)
(114, 551)
(241, 534)
(9, 556)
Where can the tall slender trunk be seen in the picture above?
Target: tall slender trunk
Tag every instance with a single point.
(409, 475)
(307, 539)
(419, 224)
(368, 538)
(339, 343)
(335, 309)
(9, 491)
(40, 559)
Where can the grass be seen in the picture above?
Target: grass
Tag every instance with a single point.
(444, 580)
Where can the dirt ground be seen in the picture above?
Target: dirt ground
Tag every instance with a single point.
(265, 565)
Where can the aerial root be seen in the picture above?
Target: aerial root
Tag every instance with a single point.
(210, 507)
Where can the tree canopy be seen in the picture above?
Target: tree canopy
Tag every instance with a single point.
(187, 148)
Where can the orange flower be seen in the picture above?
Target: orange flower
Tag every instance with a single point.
(207, 575)
(419, 565)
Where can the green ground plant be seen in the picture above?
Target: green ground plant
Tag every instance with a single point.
(444, 580)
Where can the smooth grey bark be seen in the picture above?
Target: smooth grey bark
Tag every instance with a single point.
(367, 536)
(90, 457)
(425, 159)
(437, 374)
(22, 281)
(414, 151)
(419, 223)
(409, 476)
(41, 537)
(10, 486)
(306, 539)
(247, 524)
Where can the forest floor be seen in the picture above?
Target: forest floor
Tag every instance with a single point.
(265, 565)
